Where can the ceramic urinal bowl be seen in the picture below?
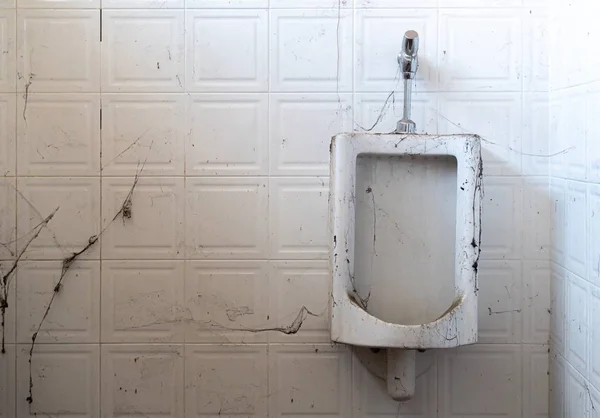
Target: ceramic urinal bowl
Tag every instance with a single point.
(405, 216)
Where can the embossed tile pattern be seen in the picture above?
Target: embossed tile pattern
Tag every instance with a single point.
(192, 137)
(574, 127)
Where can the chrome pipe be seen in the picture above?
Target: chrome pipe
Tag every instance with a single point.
(408, 61)
(407, 99)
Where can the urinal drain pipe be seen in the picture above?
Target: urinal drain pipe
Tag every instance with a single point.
(401, 373)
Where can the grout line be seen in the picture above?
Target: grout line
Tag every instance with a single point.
(269, 92)
(219, 342)
(258, 260)
(438, 82)
(353, 76)
(522, 158)
(16, 168)
(423, 91)
(100, 240)
(100, 243)
(268, 383)
(270, 39)
(255, 176)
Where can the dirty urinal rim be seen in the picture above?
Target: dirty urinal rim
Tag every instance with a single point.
(350, 322)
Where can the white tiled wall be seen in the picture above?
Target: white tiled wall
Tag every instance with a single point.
(575, 196)
(225, 109)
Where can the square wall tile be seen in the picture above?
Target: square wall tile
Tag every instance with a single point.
(228, 134)
(536, 49)
(153, 227)
(142, 301)
(75, 313)
(593, 233)
(58, 134)
(500, 305)
(143, 4)
(311, 50)
(498, 65)
(293, 371)
(8, 332)
(65, 378)
(8, 133)
(142, 380)
(496, 117)
(380, 112)
(535, 3)
(558, 220)
(589, 66)
(502, 218)
(227, 4)
(565, 23)
(301, 128)
(558, 308)
(58, 4)
(573, 126)
(227, 218)
(537, 208)
(370, 398)
(575, 228)
(212, 38)
(74, 223)
(7, 4)
(568, 133)
(592, 134)
(535, 381)
(577, 323)
(300, 290)
(8, 391)
(593, 410)
(576, 393)
(298, 218)
(536, 305)
(228, 301)
(236, 376)
(481, 380)
(311, 4)
(559, 135)
(143, 129)
(8, 255)
(143, 51)
(556, 391)
(8, 69)
(594, 337)
(58, 51)
(8, 225)
(368, 4)
(378, 42)
(535, 147)
(478, 3)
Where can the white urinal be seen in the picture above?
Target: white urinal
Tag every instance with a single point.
(405, 216)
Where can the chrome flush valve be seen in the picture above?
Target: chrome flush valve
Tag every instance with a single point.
(409, 63)
(408, 59)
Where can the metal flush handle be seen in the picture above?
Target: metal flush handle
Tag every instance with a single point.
(407, 59)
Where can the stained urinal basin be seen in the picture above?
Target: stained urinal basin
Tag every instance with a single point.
(405, 218)
(405, 225)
